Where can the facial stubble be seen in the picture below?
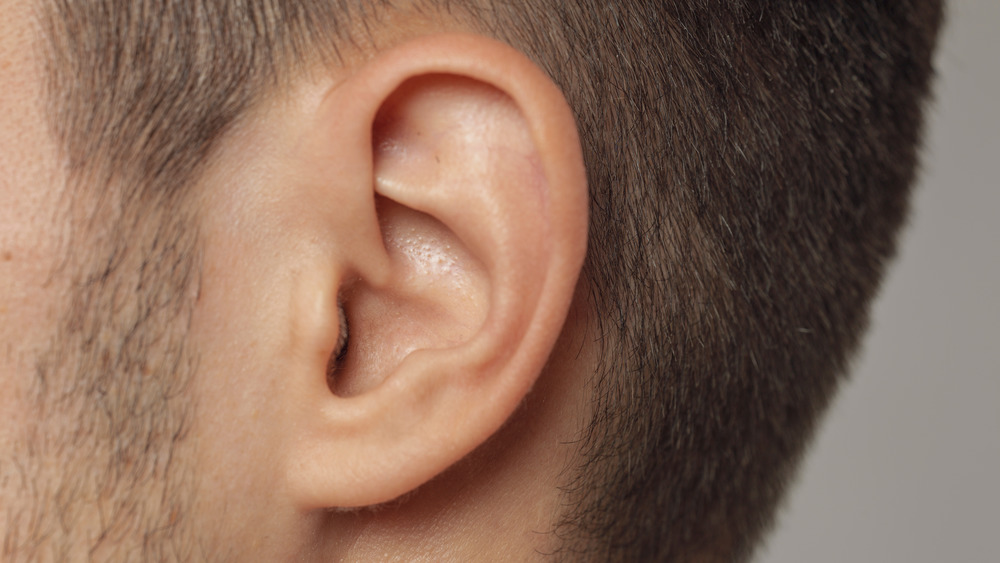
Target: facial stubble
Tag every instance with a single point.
(102, 471)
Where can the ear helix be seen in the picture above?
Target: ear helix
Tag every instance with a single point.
(437, 395)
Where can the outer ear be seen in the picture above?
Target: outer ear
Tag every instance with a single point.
(470, 158)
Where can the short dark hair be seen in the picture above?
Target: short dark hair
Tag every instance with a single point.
(749, 167)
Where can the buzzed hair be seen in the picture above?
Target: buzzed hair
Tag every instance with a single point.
(749, 167)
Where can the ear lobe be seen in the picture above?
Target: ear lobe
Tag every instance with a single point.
(477, 167)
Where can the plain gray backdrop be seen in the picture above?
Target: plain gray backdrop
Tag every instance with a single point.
(907, 464)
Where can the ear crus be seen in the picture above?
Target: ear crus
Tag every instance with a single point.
(471, 154)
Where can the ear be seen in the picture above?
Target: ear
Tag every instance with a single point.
(461, 226)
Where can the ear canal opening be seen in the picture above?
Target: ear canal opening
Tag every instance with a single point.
(455, 172)
(339, 354)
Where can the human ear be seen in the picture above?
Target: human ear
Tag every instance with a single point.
(459, 206)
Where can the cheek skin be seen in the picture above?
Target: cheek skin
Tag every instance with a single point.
(240, 329)
(30, 194)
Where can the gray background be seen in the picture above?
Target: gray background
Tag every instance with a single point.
(907, 466)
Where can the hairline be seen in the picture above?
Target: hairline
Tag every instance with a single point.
(707, 290)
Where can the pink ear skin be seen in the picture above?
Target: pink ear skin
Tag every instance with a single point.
(438, 193)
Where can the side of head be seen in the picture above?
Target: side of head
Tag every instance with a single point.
(569, 279)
